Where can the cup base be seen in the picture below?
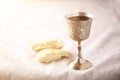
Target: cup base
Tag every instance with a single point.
(80, 64)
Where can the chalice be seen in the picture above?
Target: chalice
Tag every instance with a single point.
(79, 25)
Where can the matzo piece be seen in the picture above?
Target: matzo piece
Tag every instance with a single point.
(55, 44)
(51, 55)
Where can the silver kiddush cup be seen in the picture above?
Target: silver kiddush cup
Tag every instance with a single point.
(79, 25)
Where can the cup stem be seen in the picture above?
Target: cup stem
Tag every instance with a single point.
(79, 50)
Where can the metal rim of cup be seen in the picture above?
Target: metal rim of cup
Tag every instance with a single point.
(87, 14)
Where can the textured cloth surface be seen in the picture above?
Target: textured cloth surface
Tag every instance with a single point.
(23, 23)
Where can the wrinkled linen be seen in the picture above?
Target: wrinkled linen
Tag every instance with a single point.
(24, 23)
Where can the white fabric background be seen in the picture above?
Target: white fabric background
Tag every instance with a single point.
(23, 23)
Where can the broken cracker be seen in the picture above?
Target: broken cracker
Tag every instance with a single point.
(51, 55)
(56, 44)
